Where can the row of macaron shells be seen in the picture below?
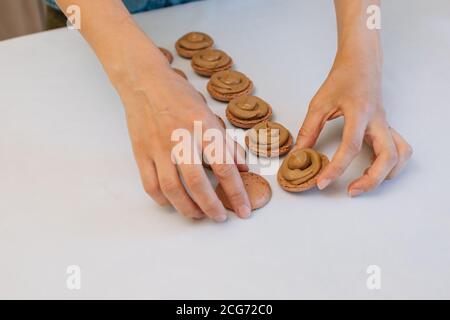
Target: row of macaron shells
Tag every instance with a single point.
(250, 112)
(226, 85)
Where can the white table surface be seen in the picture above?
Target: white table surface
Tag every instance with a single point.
(70, 193)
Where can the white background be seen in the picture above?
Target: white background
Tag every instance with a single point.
(70, 191)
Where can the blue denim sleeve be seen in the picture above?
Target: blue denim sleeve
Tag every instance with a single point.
(140, 5)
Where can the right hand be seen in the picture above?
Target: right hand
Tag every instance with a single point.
(158, 101)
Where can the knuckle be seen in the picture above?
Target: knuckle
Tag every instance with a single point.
(314, 108)
(373, 181)
(170, 187)
(392, 158)
(194, 180)
(235, 196)
(353, 146)
(151, 188)
(313, 105)
(337, 169)
(363, 107)
(190, 214)
(211, 207)
(360, 105)
(224, 171)
(407, 152)
(304, 132)
(315, 112)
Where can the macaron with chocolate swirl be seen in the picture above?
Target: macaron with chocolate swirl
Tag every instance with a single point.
(193, 42)
(209, 61)
(300, 169)
(247, 111)
(269, 139)
(226, 85)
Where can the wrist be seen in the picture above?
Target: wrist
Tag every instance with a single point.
(133, 68)
(133, 59)
(126, 51)
(360, 54)
(361, 45)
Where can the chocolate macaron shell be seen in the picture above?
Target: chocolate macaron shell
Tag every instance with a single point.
(208, 74)
(312, 183)
(210, 61)
(191, 43)
(283, 150)
(246, 124)
(229, 84)
(258, 190)
(263, 141)
(227, 98)
(248, 111)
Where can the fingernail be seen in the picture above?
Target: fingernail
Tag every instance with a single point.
(322, 184)
(244, 211)
(221, 218)
(355, 192)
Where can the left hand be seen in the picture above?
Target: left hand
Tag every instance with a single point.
(353, 90)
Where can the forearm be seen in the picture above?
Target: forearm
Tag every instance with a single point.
(111, 32)
(354, 36)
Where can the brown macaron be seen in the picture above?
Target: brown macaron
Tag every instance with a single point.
(258, 190)
(300, 169)
(269, 139)
(167, 54)
(247, 111)
(226, 85)
(180, 73)
(209, 61)
(193, 42)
